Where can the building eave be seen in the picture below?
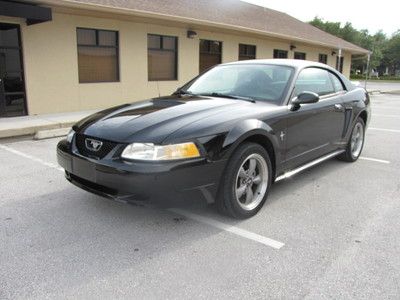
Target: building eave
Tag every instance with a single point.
(194, 21)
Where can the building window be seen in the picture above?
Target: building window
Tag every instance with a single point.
(97, 55)
(162, 57)
(247, 52)
(323, 58)
(210, 54)
(280, 53)
(339, 63)
(300, 55)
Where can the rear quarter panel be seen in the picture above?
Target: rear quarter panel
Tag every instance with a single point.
(356, 102)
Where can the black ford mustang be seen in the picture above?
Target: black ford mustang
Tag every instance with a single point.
(226, 135)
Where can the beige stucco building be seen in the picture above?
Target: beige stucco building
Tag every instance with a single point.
(56, 63)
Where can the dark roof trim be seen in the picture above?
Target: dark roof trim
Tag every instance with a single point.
(33, 14)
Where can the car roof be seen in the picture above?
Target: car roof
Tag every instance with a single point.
(296, 63)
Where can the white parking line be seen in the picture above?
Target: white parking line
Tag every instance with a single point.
(384, 107)
(208, 221)
(232, 229)
(375, 160)
(384, 129)
(38, 160)
(388, 116)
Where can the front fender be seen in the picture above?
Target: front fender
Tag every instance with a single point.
(247, 129)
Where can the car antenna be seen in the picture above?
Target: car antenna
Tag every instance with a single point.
(158, 90)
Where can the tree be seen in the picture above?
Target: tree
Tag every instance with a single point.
(391, 54)
(385, 52)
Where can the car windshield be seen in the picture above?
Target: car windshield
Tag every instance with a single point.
(243, 81)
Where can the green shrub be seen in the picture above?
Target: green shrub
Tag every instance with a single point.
(362, 77)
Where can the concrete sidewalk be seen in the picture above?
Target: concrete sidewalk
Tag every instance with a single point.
(377, 87)
(31, 125)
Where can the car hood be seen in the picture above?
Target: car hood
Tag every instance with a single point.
(153, 120)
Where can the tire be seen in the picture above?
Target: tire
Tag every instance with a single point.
(354, 147)
(246, 182)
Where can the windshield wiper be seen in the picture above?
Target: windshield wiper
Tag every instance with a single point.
(230, 96)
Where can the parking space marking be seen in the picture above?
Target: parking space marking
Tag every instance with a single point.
(388, 116)
(384, 107)
(384, 129)
(375, 160)
(33, 158)
(232, 229)
(205, 220)
(229, 228)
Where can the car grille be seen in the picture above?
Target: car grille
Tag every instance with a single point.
(106, 147)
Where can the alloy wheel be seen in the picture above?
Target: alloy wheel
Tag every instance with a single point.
(357, 140)
(251, 182)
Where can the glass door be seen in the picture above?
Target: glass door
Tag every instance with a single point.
(12, 87)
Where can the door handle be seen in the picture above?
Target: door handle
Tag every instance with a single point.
(338, 107)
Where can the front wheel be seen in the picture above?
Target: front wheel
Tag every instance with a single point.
(356, 142)
(246, 182)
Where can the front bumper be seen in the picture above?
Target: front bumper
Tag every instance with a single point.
(118, 179)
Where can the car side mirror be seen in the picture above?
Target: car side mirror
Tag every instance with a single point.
(304, 98)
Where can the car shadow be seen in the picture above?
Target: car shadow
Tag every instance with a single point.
(197, 204)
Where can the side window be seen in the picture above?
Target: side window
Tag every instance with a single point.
(336, 83)
(314, 80)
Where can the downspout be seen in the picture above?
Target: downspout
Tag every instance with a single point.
(366, 73)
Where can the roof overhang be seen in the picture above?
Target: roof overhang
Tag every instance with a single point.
(109, 10)
(32, 13)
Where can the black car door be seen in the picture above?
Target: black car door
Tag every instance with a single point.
(314, 129)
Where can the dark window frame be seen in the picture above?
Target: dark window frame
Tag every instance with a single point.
(339, 63)
(210, 52)
(97, 45)
(302, 54)
(209, 47)
(20, 48)
(277, 53)
(161, 49)
(323, 58)
(246, 55)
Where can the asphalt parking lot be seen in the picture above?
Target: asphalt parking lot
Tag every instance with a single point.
(330, 232)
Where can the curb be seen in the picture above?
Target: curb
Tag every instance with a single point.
(374, 92)
(32, 130)
(395, 92)
(51, 133)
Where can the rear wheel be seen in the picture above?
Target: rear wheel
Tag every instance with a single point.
(356, 142)
(246, 182)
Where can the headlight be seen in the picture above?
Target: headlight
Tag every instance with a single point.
(70, 136)
(153, 152)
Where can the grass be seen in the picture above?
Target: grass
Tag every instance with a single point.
(382, 78)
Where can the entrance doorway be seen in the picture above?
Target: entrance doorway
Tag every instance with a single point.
(12, 87)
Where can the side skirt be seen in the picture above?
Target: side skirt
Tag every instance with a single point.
(308, 165)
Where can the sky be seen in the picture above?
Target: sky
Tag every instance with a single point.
(383, 14)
